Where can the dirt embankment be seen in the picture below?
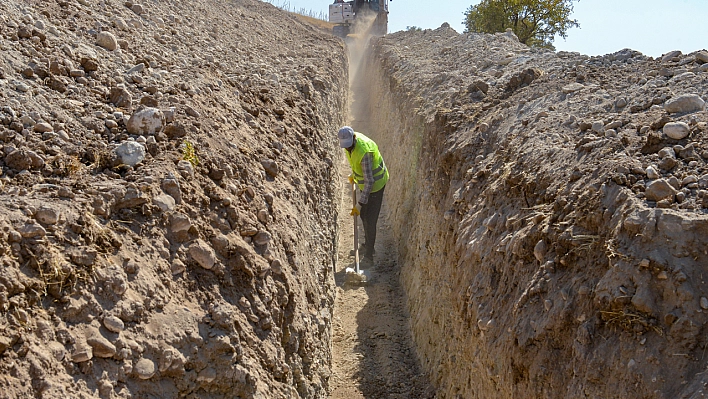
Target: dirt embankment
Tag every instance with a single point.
(550, 214)
(167, 199)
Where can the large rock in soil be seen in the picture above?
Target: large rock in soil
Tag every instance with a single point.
(146, 121)
(24, 159)
(685, 103)
(659, 190)
(130, 153)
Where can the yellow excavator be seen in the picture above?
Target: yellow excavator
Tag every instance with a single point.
(345, 14)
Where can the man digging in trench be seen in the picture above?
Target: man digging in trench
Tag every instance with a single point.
(369, 172)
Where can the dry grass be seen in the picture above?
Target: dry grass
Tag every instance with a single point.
(56, 274)
(285, 5)
(585, 242)
(67, 166)
(316, 22)
(102, 159)
(318, 19)
(613, 252)
(626, 320)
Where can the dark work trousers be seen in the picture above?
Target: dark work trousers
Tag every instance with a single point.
(369, 217)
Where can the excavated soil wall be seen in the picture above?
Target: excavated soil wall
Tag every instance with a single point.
(168, 199)
(538, 256)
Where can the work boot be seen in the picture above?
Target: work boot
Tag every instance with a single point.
(366, 263)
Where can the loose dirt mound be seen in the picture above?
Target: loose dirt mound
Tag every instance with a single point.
(168, 219)
(550, 214)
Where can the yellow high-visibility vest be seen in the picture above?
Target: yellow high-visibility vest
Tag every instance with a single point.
(365, 145)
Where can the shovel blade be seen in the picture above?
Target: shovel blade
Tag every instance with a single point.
(358, 278)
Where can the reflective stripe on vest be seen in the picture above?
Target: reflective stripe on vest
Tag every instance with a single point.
(377, 176)
(363, 146)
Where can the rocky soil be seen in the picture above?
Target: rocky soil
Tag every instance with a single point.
(167, 206)
(550, 213)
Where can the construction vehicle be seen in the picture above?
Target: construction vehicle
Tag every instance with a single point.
(347, 13)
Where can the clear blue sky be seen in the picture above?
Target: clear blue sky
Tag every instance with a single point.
(653, 27)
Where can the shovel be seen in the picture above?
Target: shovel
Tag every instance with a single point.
(354, 275)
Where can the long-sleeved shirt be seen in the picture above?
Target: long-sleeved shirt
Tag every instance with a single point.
(367, 166)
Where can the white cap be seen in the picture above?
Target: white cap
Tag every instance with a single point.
(346, 137)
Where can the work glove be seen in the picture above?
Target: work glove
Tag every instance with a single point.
(355, 210)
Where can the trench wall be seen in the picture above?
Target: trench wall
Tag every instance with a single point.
(524, 279)
(194, 274)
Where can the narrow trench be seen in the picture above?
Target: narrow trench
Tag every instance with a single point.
(373, 353)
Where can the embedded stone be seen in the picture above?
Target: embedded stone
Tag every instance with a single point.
(130, 153)
(573, 87)
(121, 97)
(24, 160)
(165, 202)
(704, 303)
(89, 64)
(677, 130)
(47, 215)
(83, 256)
(176, 130)
(262, 238)
(644, 300)
(138, 9)
(43, 127)
(270, 166)
(671, 55)
(177, 267)
(5, 343)
(145, 369)
(100, 346)
(598, 126)
(685, 103)
(113, 324)
(690, 179)
(82, 353)
(659, 190)
(203, 254)
(170, 185)
(32, 231)
(652, 173)
(120, 23)
(180, 223)
(539, 251)
(107, 41)
(146, 121)
(277, 266)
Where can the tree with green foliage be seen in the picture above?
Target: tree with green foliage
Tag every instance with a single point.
(535, 22)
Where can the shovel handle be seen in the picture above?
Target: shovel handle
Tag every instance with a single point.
(356, 232)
